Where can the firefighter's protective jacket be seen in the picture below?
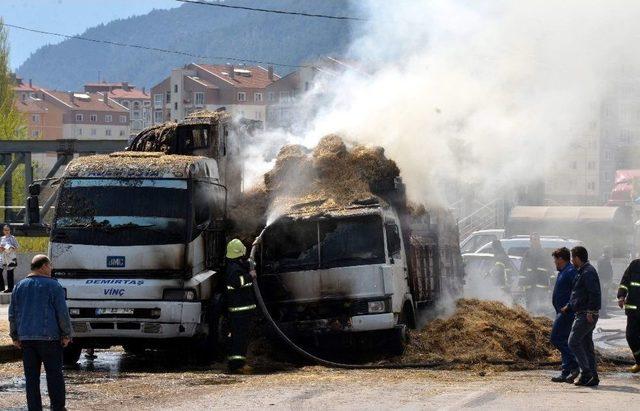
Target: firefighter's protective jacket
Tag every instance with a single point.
(536, 268)
(630, 288)
(239, 284)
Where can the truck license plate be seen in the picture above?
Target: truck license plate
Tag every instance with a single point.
(111, 311)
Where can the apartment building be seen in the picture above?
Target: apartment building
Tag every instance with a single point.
(89, 115)
(138, 101)
(285, 103)
(194, 87)
(43, 120)
(585, 175)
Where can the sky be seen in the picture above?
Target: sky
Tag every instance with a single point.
(66, 17)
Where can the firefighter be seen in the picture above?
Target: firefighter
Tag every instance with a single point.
(241, 304)
(536, 272)
(502, 271)
(629, 299)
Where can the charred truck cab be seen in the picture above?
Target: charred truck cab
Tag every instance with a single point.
(135, 242)
(364, 269)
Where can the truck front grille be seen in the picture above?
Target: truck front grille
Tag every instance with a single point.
(79, 327)
(151, 328)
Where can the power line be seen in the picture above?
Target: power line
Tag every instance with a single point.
(161, 50)
(294, 13)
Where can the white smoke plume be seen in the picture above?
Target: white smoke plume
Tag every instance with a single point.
(488, 94)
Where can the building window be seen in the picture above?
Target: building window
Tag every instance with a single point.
(157, 116)
(79, 117)
(175, 105)
(284, 96)
(147, 103)
(157, 100)
(35, 118)
(591, 186)
(135, 114)
(242, 96)
(168, 96)
(93, 118)
(125, 103)
(607, 177)
(175, 88)
(198, 98)
(257, 97)
(123, 119)
(591, 165)
(107, 132)
(93, 131)
(121, 133)
(79, 131)
(306, 86)
(108, 118)
(607, 155)
(35, 133)
(271, 96)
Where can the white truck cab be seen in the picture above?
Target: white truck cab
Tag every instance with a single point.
(135, 244)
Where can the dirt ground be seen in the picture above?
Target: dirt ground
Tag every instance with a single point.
(115, 380)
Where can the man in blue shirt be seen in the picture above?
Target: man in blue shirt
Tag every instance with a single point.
(563, 322)
(585, 302)
(40, 326)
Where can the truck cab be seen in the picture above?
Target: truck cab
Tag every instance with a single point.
(353, 270)
(136, 241)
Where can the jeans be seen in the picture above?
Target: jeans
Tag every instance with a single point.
(581, 343)
(34, 354)
(560, 339)
(9, 279)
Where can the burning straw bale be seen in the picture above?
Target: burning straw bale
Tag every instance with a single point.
(128, 163)
(480, 332)
(332, 176)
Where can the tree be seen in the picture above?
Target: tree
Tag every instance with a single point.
(11, 120)
(12, 124)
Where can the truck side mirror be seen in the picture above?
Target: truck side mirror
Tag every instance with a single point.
(32, 216)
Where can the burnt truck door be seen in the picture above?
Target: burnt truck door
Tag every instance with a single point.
(396, 258)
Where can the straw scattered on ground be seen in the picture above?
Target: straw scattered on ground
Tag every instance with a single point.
(482, 332)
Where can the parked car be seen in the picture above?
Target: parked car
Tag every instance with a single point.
(519, 245)
(479, 238)
(476, 264)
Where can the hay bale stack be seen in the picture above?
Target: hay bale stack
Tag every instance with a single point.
(332, 176)
(483, 331)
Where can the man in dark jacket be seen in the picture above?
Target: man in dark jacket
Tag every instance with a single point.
(585, 303)
(241, 304)
(605, 272)
(40, 325)
(629, 299)
(563, 322)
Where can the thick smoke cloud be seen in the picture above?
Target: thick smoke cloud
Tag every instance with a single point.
(488, 94)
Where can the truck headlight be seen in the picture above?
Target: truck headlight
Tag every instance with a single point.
(179, 294)
(376, 307)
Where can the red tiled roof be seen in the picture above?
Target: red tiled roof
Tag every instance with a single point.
(30, 105)
(202, 82)
(95, 101)
(104, 84)
(133, 93)
(259, 76)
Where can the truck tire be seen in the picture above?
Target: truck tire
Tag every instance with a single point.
(71, 354)
(397, 340)
(134, 349)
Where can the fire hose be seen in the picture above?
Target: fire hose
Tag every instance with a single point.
(333, 364)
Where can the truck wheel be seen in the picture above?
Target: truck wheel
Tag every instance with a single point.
(134, 349)
(397, 340)
(71, 354)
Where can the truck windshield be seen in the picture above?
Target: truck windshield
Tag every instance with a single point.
(121, 212)
(310, 245)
